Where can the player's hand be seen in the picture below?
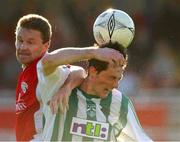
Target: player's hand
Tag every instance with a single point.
(110, 55)
(60, 100)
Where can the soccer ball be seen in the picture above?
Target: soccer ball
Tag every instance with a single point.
(114, 25)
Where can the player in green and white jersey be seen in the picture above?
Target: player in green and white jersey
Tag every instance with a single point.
(97, 111)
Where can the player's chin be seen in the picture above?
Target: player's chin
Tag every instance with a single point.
(24, 61)
(104, 94)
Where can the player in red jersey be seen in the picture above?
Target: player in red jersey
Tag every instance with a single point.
(33, 37)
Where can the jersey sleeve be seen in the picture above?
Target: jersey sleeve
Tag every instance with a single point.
(133, 130)
(63, 70)
(48, 85)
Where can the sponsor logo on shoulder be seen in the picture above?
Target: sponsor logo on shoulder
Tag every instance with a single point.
(88, 128)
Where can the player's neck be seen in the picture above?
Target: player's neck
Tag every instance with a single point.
(86, 86)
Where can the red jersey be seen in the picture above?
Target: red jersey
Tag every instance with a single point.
(26, 103)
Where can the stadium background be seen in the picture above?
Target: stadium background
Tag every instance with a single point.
(152, 78)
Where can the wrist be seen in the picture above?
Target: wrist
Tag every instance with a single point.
(67, 85)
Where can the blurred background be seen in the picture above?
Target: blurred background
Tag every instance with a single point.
(152, 77)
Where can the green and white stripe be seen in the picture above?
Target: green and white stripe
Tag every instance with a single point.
(114, 111)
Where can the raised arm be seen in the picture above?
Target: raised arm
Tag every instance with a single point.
(70, 55)
(61, 98)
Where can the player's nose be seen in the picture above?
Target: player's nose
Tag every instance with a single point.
(115, 84)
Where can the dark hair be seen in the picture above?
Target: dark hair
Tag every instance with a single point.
(102, 65)
(36, 22)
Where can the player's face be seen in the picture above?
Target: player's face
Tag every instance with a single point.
(29, 45)
(106, 80)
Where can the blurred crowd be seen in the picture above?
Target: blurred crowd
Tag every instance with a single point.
(153, 54)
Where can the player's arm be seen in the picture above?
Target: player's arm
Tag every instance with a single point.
(61, 98)
(70, 55)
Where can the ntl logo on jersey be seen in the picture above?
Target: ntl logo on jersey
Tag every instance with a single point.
(88, 128)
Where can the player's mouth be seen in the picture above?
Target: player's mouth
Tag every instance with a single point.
(23, 54)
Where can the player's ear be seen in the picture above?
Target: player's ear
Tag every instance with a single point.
(92, 71)
(47, 44)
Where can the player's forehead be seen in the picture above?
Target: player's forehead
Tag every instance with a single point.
(28, 34)
(113, 72)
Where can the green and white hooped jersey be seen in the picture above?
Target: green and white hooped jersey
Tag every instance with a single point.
(95, 119)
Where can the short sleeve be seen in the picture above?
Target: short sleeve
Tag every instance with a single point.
(133, 130)
(48, 85)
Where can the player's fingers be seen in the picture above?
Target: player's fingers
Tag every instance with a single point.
(66, 100)
(55, 107)
(67, 106)
(112, 61)
(61, 107)
(119, 62)
(115, 56)
(119, 58)
(62, 104)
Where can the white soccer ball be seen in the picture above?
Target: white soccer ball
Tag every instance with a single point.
(114, 25)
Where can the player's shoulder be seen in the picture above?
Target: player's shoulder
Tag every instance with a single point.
(116, 92)
(118, 95)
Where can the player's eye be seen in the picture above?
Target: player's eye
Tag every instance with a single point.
(112, 78)
(19, 40)
(30, 42)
